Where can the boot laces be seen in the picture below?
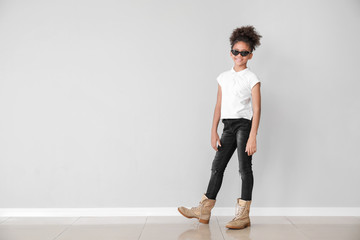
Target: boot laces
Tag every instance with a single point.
(201, 205)
(238, 211)
(198, 207)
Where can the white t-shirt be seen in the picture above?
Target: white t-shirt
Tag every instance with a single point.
(236, 93)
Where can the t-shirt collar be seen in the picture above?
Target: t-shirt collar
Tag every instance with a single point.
(241, 71)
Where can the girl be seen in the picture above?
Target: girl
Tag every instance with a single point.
(238, 105)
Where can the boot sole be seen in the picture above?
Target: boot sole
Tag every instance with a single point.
(247, 225)
(200, 220)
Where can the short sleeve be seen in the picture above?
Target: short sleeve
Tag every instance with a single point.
(253, 80)
(218, 79)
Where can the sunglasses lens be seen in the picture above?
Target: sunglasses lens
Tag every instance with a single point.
(244, 53)
(235, 52)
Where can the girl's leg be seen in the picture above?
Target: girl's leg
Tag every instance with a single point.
(222, 157)
(245, 161)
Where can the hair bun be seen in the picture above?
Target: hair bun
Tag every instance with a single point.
(246, 34)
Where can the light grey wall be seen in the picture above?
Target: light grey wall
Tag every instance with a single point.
(110, 103)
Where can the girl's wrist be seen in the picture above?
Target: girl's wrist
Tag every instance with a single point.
(253, 135)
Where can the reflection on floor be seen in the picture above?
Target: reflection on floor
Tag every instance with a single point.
(178, 227)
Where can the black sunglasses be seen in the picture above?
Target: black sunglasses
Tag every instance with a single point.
(242, 53)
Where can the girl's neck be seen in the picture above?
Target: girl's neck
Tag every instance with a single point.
(239, 68)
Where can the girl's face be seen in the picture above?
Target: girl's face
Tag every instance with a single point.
(239, 60)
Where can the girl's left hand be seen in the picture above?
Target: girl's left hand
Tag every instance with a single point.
(251, 146)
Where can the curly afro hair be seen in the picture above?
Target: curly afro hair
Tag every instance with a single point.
(246, 34)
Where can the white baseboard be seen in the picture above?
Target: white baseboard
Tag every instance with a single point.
(172, 211)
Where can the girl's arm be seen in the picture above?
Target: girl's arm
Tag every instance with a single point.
(256, 104)
(214, 135)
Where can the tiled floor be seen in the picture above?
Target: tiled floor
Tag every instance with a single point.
(178, 227)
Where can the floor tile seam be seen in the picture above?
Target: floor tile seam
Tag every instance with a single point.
(66, 228)
(77, 219)
(297, 228)
(142, 230)
(217, 220)
(4, 220)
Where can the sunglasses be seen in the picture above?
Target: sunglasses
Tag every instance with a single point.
(242, 53)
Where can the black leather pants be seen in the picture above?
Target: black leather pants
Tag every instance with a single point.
(235, 135)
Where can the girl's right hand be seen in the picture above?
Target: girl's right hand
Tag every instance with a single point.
(215, 140)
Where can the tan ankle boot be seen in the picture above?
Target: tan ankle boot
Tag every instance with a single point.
(241, 219)
(201, 212)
